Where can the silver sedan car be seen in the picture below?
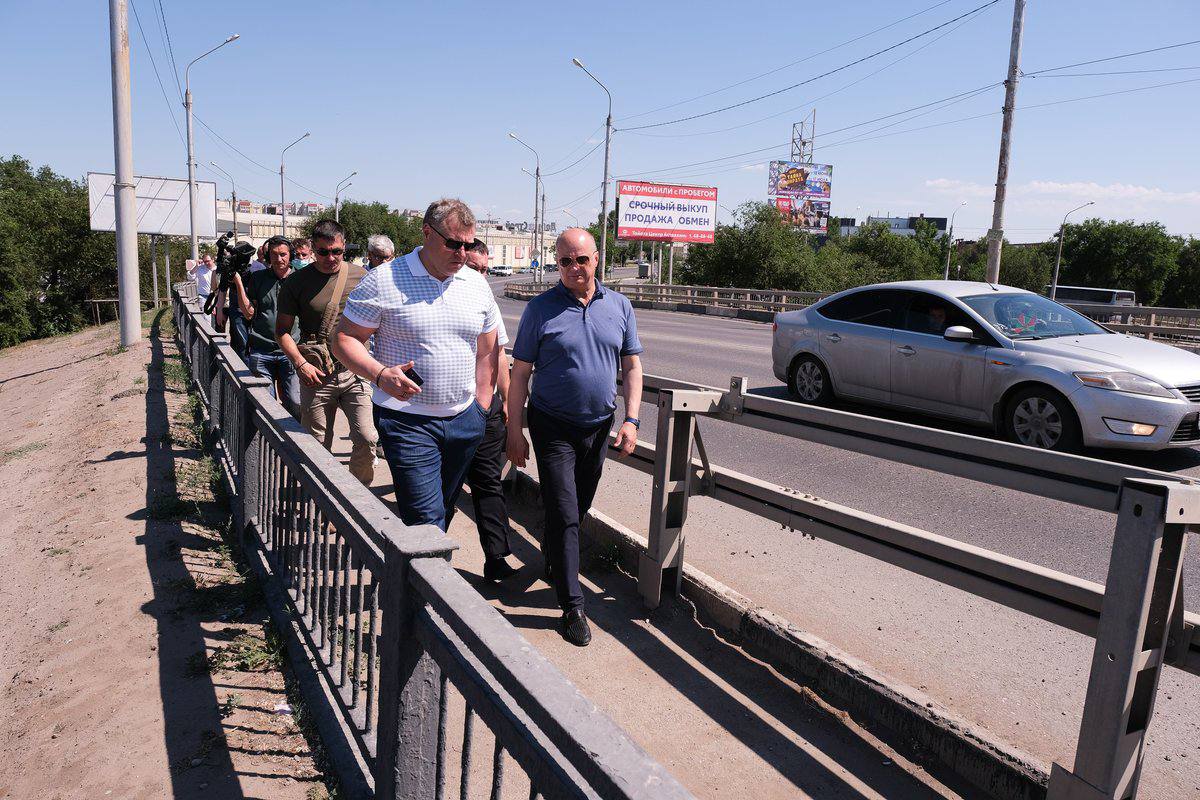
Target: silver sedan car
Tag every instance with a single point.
(1036, 371)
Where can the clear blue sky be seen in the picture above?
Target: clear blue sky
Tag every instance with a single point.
(419, 99)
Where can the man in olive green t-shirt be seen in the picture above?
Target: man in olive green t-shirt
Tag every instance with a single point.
(324, 388)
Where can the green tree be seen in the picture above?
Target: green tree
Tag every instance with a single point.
(362, 220)
(1120, 255)
(760, 251)
(1183, 289)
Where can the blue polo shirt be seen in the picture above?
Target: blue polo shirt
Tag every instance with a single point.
(576, 351)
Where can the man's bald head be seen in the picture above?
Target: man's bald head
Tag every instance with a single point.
(575, 239)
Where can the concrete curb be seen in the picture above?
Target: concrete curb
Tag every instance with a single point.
(691, 308)
(908, 720)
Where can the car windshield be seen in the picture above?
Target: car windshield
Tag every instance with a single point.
(1030, 316)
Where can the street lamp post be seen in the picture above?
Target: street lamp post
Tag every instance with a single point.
(537, 190)
(604, 191)
(950, 241)
(1058, 258)
(337, 195)
(282, 194)
(571, 214)
(191, 155)
(233, 203)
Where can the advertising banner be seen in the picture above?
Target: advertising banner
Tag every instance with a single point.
(666, 212)
(161, 205)
(801, 193)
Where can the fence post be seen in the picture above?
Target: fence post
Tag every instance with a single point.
(662, 563)
(1140, 607)
(410, 681)
(245, 510)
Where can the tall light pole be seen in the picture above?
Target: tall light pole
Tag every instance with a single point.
(533, 240)
(537, 189)
(187, 105)
(1058, 258)
(337, 196)
(233, 203)
(996, 234)
(571, 214)
(282, 194)
(950, 241)
(604, 192)
(129, 298)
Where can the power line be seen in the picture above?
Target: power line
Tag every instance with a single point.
(816, 77)
(1110, 58)
(591, 191)
(808, 103)
(786, 66)
(170, 50)
(157, 77)
(573, 163)
(1119, 72)
(578, 147)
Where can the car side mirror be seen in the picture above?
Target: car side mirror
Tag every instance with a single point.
(959, 333)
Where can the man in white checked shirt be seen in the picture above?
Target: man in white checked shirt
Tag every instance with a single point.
(433, 364)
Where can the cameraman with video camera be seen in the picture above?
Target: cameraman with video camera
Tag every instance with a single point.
(232, 263)
(264, 356)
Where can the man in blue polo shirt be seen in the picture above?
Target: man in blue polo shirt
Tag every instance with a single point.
(575, 335)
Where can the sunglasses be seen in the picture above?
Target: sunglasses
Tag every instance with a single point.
(454, 244)
(330, 251)
(582, 261)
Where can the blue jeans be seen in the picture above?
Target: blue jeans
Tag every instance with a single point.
(277, 367)
(429, 457)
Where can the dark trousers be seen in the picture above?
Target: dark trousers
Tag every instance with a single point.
(429, 457)
(569, 460)
(487, 495)
(239, 334)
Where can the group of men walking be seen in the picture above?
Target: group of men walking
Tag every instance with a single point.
(411, 349)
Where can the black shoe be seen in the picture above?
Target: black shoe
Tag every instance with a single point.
(497, 569)
(574, 626)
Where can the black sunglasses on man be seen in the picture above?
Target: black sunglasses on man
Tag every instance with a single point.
(454, 244)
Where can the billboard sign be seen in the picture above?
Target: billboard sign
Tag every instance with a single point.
(801, 193)
(161, 205)
(666, 212)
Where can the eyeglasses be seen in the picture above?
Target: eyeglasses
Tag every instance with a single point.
(330, 251)
(454, 244)
(582, 261)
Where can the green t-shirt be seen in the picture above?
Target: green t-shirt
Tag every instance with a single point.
(263, 291)
(305, 293)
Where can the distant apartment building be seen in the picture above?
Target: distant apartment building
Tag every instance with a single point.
(901, 226)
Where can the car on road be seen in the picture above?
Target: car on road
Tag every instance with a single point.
(501, 270)
(1036, 371)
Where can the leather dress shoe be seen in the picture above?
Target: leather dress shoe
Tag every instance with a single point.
(497, 569)
(575, 628)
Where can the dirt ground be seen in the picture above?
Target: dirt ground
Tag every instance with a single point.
(136, 660)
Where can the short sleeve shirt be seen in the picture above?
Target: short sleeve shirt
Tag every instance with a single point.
(435, 324)
(263, 290)
(305, 294)
(576, 351)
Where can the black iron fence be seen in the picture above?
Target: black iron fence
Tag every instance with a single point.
(403, 649)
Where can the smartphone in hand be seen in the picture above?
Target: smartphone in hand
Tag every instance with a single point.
(414, 376)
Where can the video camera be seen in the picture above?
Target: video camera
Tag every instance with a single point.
(231, 260)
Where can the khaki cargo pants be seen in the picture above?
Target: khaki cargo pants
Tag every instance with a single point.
(318, 409)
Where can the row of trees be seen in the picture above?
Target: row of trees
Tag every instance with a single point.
(759, 251)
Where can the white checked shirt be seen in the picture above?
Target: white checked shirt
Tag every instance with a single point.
(430, 322)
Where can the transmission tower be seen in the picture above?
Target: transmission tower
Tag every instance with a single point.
(803, 134)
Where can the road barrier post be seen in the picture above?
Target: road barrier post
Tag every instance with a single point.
(1141, 622)
(662, 563)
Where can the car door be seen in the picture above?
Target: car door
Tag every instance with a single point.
(931, 373)
(855, 341)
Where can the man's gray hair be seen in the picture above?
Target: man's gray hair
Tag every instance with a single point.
(380, 245)
(449, 207)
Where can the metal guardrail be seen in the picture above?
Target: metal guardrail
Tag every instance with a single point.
(385, 620)
(1137, 618)
(1177, 326)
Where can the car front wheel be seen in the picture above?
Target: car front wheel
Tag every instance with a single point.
(1043, 418)
(810, 381)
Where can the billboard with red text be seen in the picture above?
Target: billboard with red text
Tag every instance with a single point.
(666, 212)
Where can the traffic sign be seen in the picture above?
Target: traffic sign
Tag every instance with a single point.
(534, 264)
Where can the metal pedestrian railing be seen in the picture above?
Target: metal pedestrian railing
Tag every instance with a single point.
(1137, 617)
(389, 627)
(1177, 326)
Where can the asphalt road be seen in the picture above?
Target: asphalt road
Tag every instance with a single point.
(709, 350)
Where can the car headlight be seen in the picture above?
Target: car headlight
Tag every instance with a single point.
(1123, 382)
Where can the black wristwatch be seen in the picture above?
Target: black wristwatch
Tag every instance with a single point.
(637, 423)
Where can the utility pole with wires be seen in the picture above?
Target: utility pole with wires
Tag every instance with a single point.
(129, 300)
(995, 236)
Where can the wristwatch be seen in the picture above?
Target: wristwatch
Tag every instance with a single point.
(637, 423)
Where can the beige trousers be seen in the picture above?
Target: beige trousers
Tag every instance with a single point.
(318, 409)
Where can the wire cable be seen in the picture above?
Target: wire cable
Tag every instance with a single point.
(170, 50)
(1110, 58)
(157, 77)
(826, 74)
(786, 66)
(573, 163)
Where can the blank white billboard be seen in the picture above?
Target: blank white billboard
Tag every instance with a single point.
(161, 205)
